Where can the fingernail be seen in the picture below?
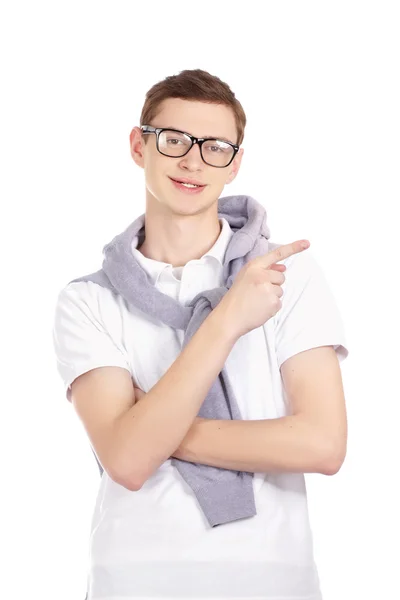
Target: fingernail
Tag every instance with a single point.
(304, 244)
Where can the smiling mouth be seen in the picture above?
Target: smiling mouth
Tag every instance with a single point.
(188, 185)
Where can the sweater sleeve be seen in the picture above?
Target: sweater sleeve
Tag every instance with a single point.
(80, 340)
(309, 316)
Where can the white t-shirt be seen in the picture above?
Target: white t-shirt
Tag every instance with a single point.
(156, 542)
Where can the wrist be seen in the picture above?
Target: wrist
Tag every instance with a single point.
(221, 322)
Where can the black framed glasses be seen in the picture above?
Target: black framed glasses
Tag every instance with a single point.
(175, 143)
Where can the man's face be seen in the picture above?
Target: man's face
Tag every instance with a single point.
(201, 120)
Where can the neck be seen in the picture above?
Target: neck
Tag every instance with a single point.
(178, 239)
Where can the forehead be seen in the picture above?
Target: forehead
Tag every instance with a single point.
(201, 119)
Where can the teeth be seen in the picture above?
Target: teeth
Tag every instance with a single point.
(189, 185)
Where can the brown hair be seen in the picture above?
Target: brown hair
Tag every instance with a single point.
(194, 84)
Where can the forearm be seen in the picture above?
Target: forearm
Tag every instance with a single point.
(259, 446)
(153, 428)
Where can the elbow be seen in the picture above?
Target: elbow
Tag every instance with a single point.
(129, 483)
(128, 480)
(133, 479)
(132, 487)
(332, 460)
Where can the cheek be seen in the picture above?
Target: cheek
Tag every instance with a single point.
(156, 177)
(155, 172)
(219, 180)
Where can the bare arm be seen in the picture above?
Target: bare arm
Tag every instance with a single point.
(311, 440)
(152, 429)
(289, 443)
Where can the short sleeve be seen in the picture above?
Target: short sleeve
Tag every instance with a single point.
(309, 316)
(80, 340)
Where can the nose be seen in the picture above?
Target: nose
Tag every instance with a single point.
(193, 157)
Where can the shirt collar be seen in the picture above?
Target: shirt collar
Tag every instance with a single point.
(216, 253)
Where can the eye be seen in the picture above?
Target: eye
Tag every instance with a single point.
(173, 138)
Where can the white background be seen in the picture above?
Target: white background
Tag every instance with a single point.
(319, 82)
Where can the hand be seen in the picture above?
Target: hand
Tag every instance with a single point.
(254, 296)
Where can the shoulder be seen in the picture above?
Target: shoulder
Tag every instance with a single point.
(85, 293)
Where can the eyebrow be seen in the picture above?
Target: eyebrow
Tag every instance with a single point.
(213, 137)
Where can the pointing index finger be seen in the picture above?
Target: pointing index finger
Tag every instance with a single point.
(283, 252)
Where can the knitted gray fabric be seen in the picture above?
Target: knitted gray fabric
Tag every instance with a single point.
(223, 495)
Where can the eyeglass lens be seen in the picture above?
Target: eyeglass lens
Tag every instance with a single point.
(215, 152)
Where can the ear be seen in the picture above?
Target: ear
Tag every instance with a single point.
(137, 146)
(235, 166)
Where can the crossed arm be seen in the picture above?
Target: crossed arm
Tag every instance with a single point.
(312, 439)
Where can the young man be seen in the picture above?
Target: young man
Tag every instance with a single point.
(138, 389)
